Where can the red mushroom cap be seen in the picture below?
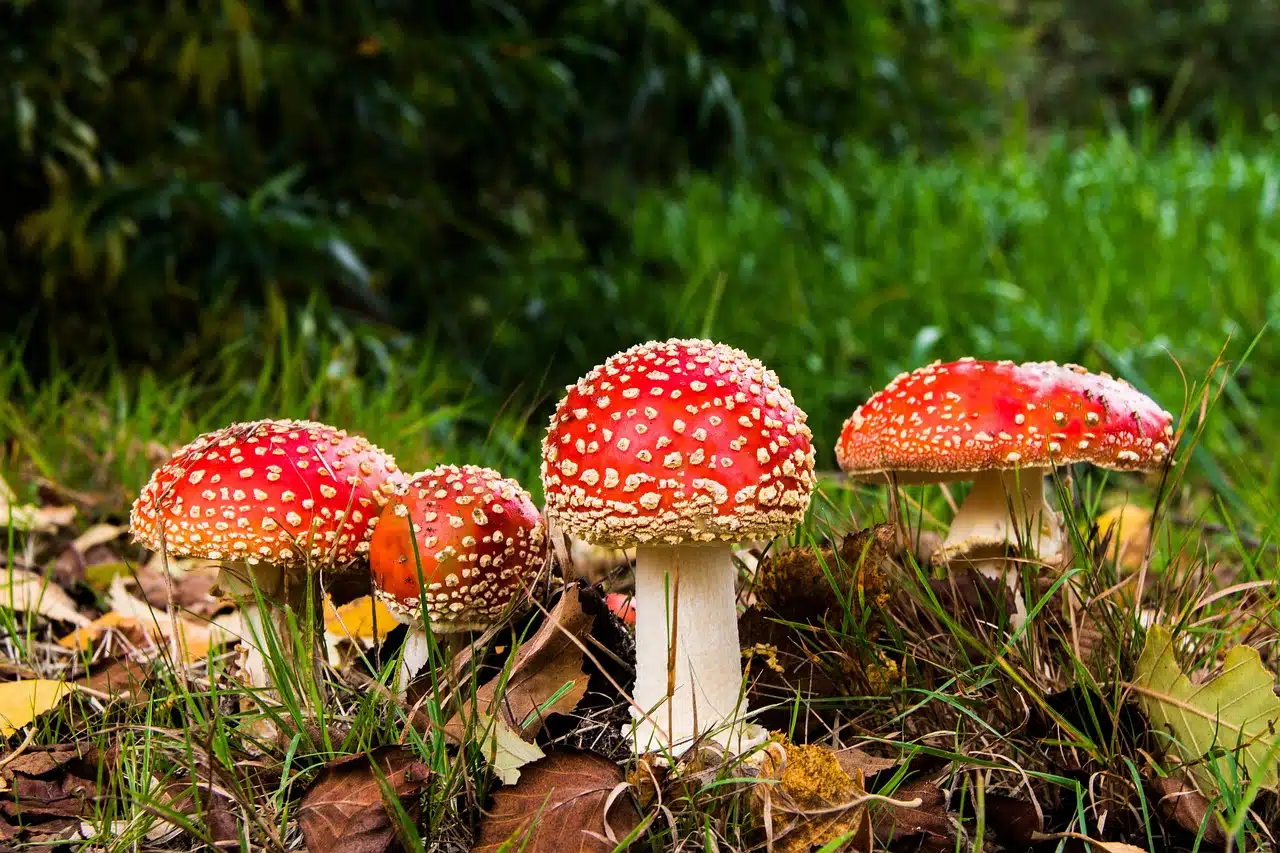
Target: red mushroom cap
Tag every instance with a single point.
(267, 491)
(677, 441)
(480, 541)
(968, 415)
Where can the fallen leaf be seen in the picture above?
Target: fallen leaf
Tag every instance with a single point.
(1237, 710)
(30, 518)
(927, 821)
(190, 582)
(1014, 821)
(1129, 527)
(805, 799)
(23, 701)
(547, 667)
(194, 636)
(32, 593)
(505, 751)
(365, 619)
(98, 534)
(121, 677)
(1188, 808)
(99, 576)
(852, 760)
(345, 808)
(560, 805)
(81, 639)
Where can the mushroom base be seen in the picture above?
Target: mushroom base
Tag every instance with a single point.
(269, 625)
(1004, 509)
(688, 661)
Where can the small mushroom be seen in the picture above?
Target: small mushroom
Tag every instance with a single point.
(271, 500)
(1004, 426)
(679, 448)
(480, 544)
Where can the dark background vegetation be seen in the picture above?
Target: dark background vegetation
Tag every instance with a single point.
(498, 182)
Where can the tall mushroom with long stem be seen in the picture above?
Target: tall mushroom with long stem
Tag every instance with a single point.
(458, 549)
(273, 501)
(1004, 426)
(680, 448)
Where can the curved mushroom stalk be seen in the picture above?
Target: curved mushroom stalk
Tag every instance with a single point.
(689, 663)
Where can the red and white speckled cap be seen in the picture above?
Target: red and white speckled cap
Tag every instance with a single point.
(677, 441)
(267, 491)
(946, 420)
(479, 539)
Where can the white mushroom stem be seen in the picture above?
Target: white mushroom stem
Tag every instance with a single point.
(984, 527)
(685, 593)
(279, 587)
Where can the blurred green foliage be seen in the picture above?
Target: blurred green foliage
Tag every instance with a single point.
(169, 165)
(843, 189)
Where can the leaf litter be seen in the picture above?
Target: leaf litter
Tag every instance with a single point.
(797, 601)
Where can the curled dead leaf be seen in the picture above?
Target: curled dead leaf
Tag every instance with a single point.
(545, 678)
(567, 801)
(29, 592)
(1188, 808)
(345, 809)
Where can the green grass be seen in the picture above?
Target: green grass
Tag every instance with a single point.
(1145, 263)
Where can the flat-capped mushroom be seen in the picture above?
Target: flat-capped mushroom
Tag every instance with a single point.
(270, 500)
(480, 544)
(1004, 426)
(679, 448)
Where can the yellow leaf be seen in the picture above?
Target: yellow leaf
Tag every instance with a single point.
(194, 637)
(82, 638)
(505, 750)
(1237, 710)
(366, 619)
(1132, 526)
(23, 701)
(31, 593)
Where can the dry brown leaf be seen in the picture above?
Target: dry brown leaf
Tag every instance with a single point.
(32, 593)
(194, 636)
(853, 760)
(543, 667)
(805, 799)
(928, 821)
(23, 701)
(121, 677)
(1130, 529)
(559, 806)
(1188, 808)
(344, 810)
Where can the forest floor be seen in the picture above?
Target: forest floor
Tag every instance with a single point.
(907, 712)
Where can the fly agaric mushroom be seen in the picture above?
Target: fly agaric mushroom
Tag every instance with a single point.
(480, 543)
(680, 448)
(269, 499)
(1002, 425)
